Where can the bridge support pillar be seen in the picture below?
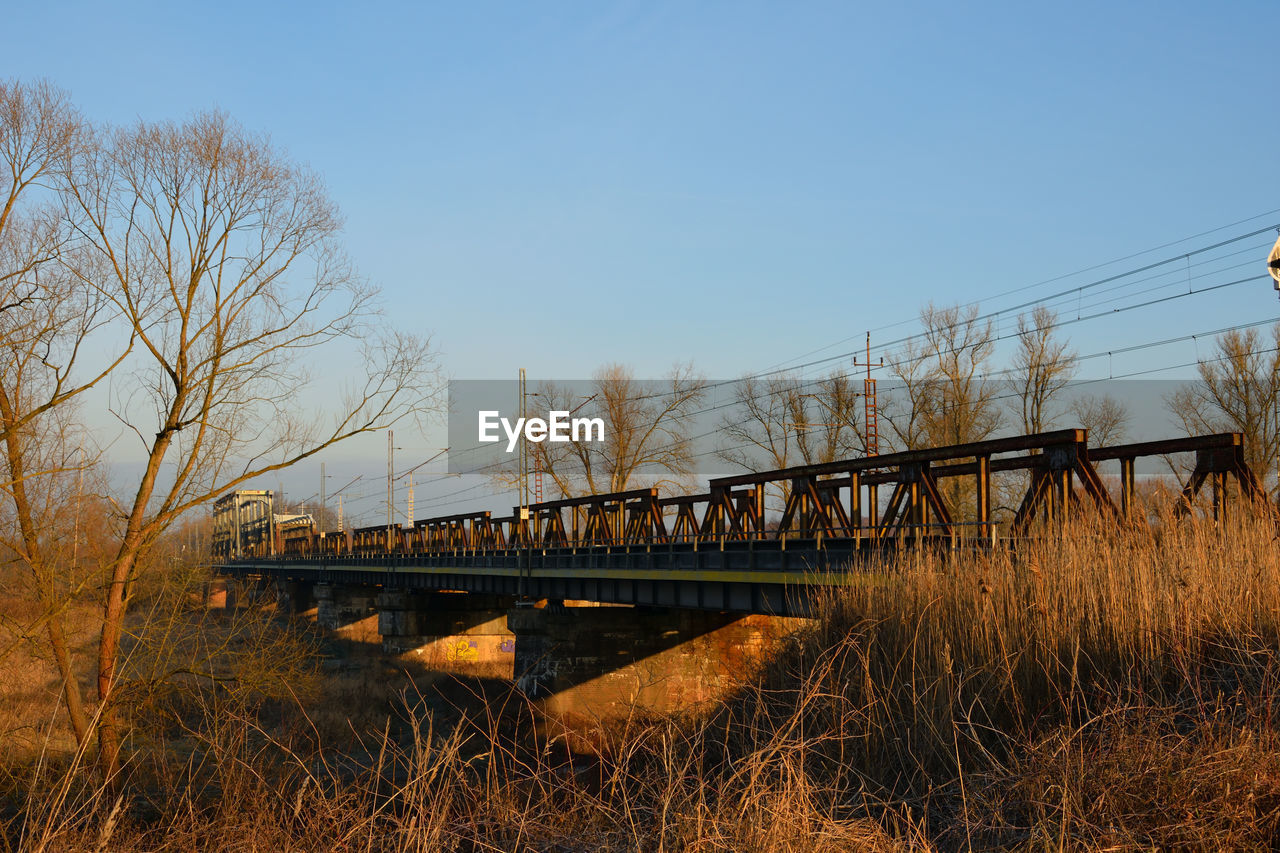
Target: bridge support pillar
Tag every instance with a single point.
(247, 592)
(294, 598)
(465, 633)
(595, 663)
(345, 607)
(230, 593)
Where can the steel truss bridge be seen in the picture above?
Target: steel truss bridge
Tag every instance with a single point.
(719, 551)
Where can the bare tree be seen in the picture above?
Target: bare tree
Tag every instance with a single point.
(37, 531)
(1238, 391)
(49, 325)
(944, 395)
(902, 407)
(825, 420)
(646, 435)
(1105, 417)
(1042, 366)
(758, 432)
(221, 257)
(43, 313)
(783, 421)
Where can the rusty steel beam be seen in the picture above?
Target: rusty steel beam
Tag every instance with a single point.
(982, 492)
(1035, 496)
(933, 500)
(1127, 496)
(960, 469)
(990, 447)
(1094, 488)
(1166, 445)
(447, 519)
(553, 535)
(585, 500)
(680, 500)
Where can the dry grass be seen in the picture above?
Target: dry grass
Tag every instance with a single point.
(32, 719)
(934, 697)
(1099, 691)
(1143, 777)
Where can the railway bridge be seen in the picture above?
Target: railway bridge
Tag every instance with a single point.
(683, 586)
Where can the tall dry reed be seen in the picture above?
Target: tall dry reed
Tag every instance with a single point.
(1092, 688)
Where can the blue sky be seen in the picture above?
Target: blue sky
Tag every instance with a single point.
(560, 185)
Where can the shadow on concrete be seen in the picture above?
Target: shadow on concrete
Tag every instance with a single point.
(399, 660)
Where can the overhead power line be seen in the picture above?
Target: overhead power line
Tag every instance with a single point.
(1105, 285)
(1053, 280)
(999, 337)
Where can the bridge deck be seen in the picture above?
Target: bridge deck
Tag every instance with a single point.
(754, 576)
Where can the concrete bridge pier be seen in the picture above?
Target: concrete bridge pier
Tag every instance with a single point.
(593, 663)
(247, 592)
(464, 633)
(293, 598)
(346, 608)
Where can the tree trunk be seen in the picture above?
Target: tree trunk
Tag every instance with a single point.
(70, 686)
(109, 735)
(42, 574)
(122, 569)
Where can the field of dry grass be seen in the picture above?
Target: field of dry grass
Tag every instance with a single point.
(1100, 691)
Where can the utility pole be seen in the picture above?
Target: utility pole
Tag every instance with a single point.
(871, 417)
(323, 505)
(1273, 268)
(524, 451)
(871, 412)
(522, 522)
(391, 485)
(408, 516)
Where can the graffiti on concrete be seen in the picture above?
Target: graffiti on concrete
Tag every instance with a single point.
(545, 670)
(462, 651)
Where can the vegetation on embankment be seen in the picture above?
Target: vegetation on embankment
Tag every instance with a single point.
(1100, 690)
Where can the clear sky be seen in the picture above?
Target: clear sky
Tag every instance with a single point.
(557, 185)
